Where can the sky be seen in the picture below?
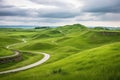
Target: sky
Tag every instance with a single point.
(60, 12)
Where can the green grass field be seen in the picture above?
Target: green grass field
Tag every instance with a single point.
(5, 52)
(77, 53)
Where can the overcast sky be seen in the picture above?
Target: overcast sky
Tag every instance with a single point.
(60, 12)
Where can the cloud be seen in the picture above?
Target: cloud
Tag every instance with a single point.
(59, 3)
(64, 9)
(110, 17)
(3, 5)
(102, 6)
(13, 11)
(9, 10)
(58, 11)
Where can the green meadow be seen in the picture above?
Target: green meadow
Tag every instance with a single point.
(77, 53)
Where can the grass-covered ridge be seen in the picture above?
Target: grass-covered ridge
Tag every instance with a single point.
(77, 53)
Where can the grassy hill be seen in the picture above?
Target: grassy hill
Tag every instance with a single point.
(5, 52)
(77, 53)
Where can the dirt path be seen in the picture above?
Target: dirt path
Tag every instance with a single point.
(46, 57)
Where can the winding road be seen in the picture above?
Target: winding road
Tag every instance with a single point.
(46, 57)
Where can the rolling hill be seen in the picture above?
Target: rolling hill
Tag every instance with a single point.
(77, 53)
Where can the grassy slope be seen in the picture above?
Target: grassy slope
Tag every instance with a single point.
(5, 52)
(28, 58)
(101, 63)
(76, 53)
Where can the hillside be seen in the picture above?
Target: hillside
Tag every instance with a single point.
(5, 52)
(77, 53)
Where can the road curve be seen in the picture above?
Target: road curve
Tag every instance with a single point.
(46, 57)
(16, 52)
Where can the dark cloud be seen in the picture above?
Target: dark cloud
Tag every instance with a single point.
(59, 14)
(9, 10)
(13, 11)
(103, 6)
